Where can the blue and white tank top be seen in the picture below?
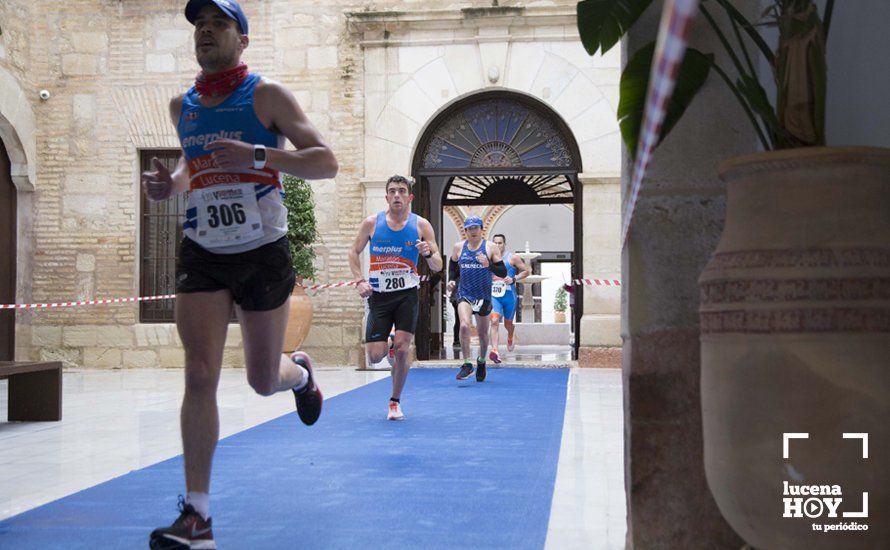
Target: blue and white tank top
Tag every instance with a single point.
(394, 256)
(499, 288)
(475, 280)
(229, 210)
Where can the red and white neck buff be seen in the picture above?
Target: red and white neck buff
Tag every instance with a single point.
(222, 83)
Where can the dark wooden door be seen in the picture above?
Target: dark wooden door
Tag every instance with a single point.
(577, 297)
(421, 207)
(7, 257)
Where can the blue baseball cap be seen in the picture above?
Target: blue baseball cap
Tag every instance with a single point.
(471, 221)
(229, 7)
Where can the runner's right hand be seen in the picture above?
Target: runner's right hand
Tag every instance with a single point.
(158, 183)
(450, 286)
(364, 289)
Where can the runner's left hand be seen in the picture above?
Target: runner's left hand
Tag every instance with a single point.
(423, 247)
(509, 280)
(482, 259)
(229, 153)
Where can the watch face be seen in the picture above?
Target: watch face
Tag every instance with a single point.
(259, 154)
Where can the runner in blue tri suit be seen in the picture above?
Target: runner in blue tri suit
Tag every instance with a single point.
(503, 296)
(475, 259)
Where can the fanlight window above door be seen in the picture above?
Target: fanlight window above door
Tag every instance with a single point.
(497, 133)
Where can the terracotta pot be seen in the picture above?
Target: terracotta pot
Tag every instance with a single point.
(795, 338)
(559, 316)
(299, 319)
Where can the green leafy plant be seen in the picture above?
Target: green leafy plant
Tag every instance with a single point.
(798, 67)
(301, 227)
(560, 300)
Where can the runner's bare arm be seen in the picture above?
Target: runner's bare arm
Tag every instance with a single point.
(355, 252)
(493, 251)
(497, 263)
(358, 246)
(455, 250)
(428, 241)
(522, 270)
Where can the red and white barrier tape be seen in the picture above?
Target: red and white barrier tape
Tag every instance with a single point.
(676, 20)
(314, 286)
(87, 302)
(51, 305)
(341, 283)
(597, 282)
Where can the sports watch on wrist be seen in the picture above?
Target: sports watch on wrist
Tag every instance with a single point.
(259, 156)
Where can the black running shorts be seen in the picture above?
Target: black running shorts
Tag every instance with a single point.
(259, 279)
(480, 307)
(391, 308)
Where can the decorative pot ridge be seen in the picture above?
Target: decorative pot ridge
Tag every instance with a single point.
(744, 165)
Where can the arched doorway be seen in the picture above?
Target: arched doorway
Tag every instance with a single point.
(7, 256)
(496, 147)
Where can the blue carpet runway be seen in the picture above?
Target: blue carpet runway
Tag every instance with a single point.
(472, 466)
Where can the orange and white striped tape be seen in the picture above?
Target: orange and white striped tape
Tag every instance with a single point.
(597, 282)
(313, 286)
(52, 305)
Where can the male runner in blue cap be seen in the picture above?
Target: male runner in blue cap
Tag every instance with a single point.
(232, 126)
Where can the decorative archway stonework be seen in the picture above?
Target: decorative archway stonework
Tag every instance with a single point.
(456, 215)
(18, 132)
(18, 136)
(491, 215)
(417, 63)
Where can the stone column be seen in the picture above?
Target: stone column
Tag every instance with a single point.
(374, 195)
(601, 321)
(679, 217)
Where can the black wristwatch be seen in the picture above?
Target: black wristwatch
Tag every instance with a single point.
(430, 255)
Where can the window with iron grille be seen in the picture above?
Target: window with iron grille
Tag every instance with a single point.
(161, 231)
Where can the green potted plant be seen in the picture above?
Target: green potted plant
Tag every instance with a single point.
(560, 303)
(301, 234)
(794, 324)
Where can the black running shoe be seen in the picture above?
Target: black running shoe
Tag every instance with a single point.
(189, 530)
(465, 371)
(480, 369)
(309, 398)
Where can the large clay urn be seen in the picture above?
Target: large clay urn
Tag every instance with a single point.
(795, 339)
(299, 319)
